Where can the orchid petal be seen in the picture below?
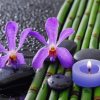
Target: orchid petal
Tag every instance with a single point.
(2, 48)
(11, 31)
(51, 27)
(64, 57)
(64, 34)
(39, 58)
(20, 58)
(39, 37)
(23, 36)
(3, 60)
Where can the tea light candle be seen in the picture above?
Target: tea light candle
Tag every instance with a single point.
(86, 73)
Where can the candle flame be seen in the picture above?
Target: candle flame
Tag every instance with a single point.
(89, 64)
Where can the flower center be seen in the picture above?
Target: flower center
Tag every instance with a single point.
(52, 51)
(12, 55)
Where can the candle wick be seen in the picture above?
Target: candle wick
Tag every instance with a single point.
(89, 70)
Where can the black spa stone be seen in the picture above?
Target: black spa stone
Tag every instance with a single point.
(87, 54)
(70, 45)
(59, 82)
(16, 89)
(8, 75)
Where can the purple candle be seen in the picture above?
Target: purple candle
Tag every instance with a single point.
(86, 73)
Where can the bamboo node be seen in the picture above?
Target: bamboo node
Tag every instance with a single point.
(49, 74)
(75, 93)
(97, 98)
(87, 13)
(91, 25)
(95, 35)
(78, 16)
(78, 37)
(69, 1)
(97, 1)
(71, 18)
(35, 89)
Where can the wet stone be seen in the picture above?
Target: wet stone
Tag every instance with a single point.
(70, 45)
(8, 75)
(59, 81)
(87, 54)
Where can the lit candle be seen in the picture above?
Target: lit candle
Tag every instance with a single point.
(86, 73)
(89, 65)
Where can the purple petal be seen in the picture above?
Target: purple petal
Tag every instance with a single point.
(39, 37)
(64, 34)
(64, 57)
(51, 27)
(11, 31)
(39, 58)
(23, 36)
(2, 48)
(3, 60)
(20, 58)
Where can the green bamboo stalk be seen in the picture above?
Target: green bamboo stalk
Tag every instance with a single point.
(75, 92)
(82, 28)
(54, 94)
(97, 93)
(63, 11)
(44, 90)
(64, 95)
(97, 32)
(36, 83)
(87, 92)
(72, 14)
(78, 40)
(91, 23)
(78, 18)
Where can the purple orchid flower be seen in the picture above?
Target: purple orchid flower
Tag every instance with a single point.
(51, 48)
(12, 56)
